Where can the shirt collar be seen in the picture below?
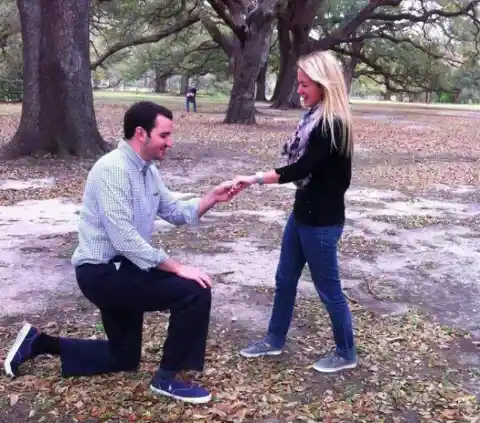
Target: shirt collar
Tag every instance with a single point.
(139, 163)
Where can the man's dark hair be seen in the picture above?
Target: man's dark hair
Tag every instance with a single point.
(143, 114)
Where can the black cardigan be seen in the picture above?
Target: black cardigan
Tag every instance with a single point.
(322, 201)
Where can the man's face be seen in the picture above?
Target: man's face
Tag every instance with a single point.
(155, 147)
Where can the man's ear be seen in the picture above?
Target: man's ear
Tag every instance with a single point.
(140, 133)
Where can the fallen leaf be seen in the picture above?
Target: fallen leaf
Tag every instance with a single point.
(14, 399)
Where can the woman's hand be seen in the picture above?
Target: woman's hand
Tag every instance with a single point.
(242, 182)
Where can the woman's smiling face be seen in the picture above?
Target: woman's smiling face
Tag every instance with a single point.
(309, 90)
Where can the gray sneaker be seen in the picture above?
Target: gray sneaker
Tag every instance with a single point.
(259, 348)
(333, 363)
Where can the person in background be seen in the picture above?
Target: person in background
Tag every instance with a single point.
(319, 163)
(191, 97)
(124, 193)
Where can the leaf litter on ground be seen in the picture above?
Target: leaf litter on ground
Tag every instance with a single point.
(402, 371)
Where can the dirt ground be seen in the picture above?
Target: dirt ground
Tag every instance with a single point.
(410, 263)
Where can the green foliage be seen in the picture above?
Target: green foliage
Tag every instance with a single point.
(404, 55)
(467, 79)
(11, 66)
(445, 98)
(11, 83)
(190, 52)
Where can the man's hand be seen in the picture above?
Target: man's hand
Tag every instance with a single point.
(194, 274)
(223, 192)
(220, 194)
(187, 272)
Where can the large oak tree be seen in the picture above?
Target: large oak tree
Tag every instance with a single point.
(57, 110)
(58, 115)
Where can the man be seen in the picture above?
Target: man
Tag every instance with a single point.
(191, 97)
(123, 194)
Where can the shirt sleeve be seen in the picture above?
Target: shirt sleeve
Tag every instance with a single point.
(175, 211)
(318, 148)
(115, 202)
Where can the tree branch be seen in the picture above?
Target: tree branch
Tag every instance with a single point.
(427, 14)
(175, 28)
(351, 26)
(395, 40)
(228, 17)
(224, 41)
(389, 77)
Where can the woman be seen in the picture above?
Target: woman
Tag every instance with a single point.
(319, 163)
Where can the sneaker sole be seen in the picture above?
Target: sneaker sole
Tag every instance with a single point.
(345, 367)
(254, 355)
(14, 349)
(201, 400)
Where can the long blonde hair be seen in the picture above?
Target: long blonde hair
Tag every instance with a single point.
(323, 68)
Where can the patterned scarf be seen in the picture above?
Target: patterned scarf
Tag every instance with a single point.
(295, 147)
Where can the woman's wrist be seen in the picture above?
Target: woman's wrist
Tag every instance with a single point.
(259, 178)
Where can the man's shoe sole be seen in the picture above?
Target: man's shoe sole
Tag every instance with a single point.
(201, 400)
(254, 355)
(345, 367)
(22, 335)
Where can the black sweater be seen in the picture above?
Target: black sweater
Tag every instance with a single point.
(322, 201)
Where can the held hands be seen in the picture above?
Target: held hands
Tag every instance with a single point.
(229, 189)
(242, 182)
(223, 192)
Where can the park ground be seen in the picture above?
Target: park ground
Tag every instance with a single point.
(410, 264)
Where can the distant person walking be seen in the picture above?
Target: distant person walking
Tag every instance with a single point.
(191, 97)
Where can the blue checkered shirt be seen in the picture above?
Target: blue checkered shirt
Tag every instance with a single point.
(123, 196)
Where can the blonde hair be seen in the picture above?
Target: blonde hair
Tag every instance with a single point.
(323, 68)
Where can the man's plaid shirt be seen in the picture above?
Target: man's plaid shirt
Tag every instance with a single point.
(123, 195)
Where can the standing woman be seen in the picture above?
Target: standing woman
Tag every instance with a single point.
(319, 162)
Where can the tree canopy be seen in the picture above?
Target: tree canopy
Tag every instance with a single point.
(422, 48)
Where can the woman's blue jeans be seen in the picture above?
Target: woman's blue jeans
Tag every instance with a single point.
(316, 246)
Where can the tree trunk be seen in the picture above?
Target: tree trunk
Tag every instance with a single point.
(184, 84)
(262, 84)
(57, 114)
(285, 95)
(294, 29)
(349, 71)
(262, 74)
(285, 46)
(241, 107)
(160, 81)
(248, 54)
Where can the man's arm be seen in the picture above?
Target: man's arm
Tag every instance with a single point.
(115, 204)
(115, 200)
(179, 212)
